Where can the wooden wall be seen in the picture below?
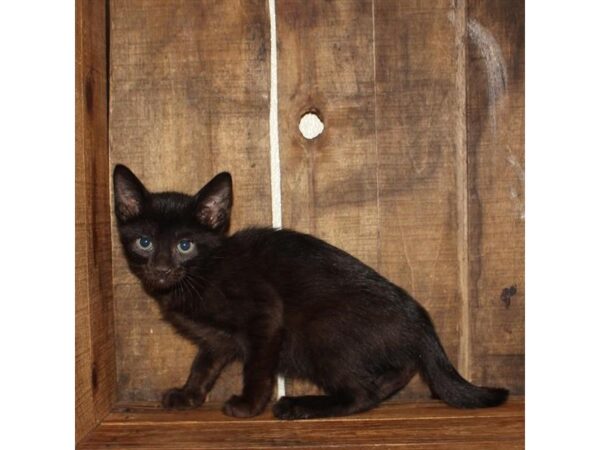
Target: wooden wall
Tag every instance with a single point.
(496, 191)
(189, 97)
(419, 171)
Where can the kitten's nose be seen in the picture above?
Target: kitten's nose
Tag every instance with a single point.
(162, 274)
(162, 268)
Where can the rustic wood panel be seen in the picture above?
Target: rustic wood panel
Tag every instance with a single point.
(415, 426)
(496, 191)
(189, 98)
(329, 184)
(385, 181)
(418, 99)
(95, 375)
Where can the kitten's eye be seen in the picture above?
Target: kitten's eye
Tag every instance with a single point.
(185, 246)
(144, 243)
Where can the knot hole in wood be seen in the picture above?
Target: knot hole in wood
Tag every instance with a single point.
(311, 125)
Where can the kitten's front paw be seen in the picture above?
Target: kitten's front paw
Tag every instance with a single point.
(178, 398)
(238, 406)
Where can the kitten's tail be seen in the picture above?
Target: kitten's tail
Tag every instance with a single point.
(447, 384)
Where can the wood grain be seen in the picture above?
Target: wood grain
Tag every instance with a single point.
(95, 374)
(189, 98)
(495, 105)
(211, 412)
(418, 99)
(329, 184)
(423, 425)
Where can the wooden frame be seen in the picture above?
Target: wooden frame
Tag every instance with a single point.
(94, 342)
(397, 85)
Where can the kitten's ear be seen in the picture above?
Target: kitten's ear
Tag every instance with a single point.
(213, 202)
(129, 193)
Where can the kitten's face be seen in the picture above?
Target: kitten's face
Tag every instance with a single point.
(165, 234)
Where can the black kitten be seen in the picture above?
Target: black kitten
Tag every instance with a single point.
(283, 303)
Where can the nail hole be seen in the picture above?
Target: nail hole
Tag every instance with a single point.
(311, 125)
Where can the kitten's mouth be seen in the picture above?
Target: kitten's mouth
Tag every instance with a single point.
(162, 282)
(160, 285)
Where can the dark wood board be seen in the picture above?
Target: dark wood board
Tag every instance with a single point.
(95, 373)
(189, 97)
(418, 128)
(380, 182)
(329, 184)
(496, 214)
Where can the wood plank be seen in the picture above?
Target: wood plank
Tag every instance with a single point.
(329, 184)
(94, 339)
(189, 98)
(426, 425)
(211, 412)
(85, 415)
(84, 402)
(496, 191)
(418, 99)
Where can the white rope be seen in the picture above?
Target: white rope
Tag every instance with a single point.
(274, 147)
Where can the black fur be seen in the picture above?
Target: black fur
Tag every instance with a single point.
(282, 302)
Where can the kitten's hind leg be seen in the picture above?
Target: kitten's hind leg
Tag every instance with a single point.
(344, 402)
(313, 406)
(395, 380)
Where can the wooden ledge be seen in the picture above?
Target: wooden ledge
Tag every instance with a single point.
(417, 425)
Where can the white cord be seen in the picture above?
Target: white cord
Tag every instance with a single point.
(274, 146)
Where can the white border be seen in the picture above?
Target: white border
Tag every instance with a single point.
(37, 225)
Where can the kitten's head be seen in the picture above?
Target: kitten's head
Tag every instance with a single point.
(165, 234)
